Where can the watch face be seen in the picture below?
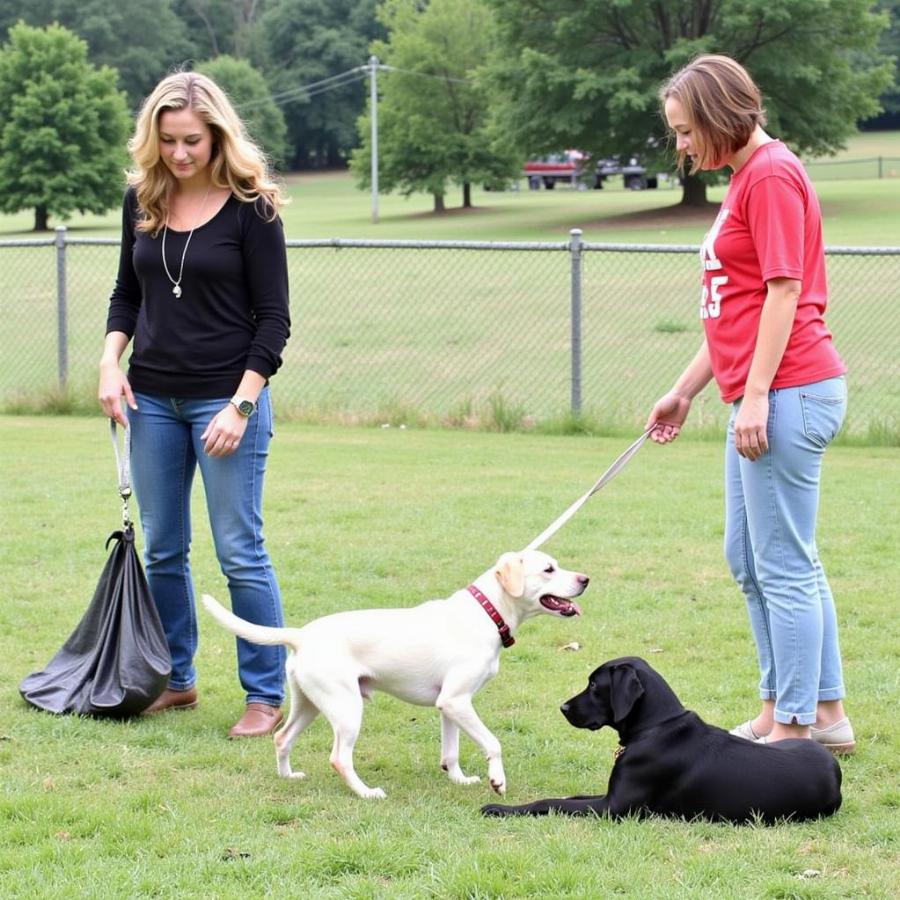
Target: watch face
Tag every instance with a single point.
(245, 408)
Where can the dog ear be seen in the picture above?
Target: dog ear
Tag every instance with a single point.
(626, 689)
(510, 573)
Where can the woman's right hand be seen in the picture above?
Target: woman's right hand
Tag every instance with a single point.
(113, 386)
(668, 416)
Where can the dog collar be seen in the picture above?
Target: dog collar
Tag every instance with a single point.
(505, 637)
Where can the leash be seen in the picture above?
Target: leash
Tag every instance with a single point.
(123, 470)
(603, 480)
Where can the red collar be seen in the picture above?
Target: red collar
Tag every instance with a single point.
(505, 637)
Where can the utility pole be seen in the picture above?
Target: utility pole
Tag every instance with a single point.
(373, 106)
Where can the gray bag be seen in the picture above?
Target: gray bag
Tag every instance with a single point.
(116, 662)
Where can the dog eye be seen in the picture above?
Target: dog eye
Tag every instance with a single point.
(550, 570)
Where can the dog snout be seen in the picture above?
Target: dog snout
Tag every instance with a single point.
(583, 580)
(564, 709)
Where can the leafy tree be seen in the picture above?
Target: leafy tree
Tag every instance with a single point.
(433, 114)
(63, 126)
(223, 27)
(890, 44)
(305, 42)
(142, 39)
(586, 74)
(250, 94)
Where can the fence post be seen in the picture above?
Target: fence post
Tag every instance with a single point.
(62, 329)
(575, 265)
(880, 173)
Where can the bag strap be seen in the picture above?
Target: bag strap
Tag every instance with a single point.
(123, 470)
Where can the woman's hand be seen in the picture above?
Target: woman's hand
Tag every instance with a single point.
(224, 433)
(750, 437)
(668, 416)
(113, 387)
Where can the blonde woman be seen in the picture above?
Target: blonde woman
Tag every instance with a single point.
(766, 345)
(202, 291)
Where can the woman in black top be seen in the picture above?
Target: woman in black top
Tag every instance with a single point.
(202, 290)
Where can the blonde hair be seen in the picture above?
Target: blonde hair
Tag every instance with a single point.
(237, 162)
(722, 104)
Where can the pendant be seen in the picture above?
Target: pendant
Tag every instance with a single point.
(177, 290)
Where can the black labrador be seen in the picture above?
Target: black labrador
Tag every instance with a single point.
(671, 763)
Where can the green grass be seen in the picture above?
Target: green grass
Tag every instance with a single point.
(329, 205)
(478, 338)
(167, 807)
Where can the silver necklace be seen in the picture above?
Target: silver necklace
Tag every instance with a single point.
(176, 283)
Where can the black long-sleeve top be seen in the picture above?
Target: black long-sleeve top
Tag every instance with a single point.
(233, 312)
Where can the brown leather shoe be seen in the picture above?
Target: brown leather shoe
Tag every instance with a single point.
(258, 719)
(172, 699)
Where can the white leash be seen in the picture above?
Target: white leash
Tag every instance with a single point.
(604, 479)
(123, 469)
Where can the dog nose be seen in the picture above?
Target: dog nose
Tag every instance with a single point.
(564, 708)
(583, 579)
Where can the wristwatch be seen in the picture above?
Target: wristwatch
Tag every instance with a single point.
(244, 406)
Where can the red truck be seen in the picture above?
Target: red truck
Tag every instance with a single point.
(576, 169)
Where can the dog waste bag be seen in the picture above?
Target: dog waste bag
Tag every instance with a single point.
(116, 662)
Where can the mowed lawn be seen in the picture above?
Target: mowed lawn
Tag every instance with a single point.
(328, 205)
(167, 807)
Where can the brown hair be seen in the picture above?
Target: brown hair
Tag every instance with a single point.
(722, 103)
(237, 162)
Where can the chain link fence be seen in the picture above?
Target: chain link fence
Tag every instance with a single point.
(460, 333)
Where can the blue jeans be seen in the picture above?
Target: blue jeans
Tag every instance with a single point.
(165, 451)
(770, 544)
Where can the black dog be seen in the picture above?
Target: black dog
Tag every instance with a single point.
(671, 763)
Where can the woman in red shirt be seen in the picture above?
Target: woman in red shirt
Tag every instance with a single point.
(762, 304)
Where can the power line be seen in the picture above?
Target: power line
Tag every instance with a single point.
(351, 76)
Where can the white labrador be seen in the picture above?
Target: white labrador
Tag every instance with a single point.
(437, 654)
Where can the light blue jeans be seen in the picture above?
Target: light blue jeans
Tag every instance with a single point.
(771, 507)
(165, 452)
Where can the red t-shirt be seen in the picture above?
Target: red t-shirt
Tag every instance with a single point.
(769, 226)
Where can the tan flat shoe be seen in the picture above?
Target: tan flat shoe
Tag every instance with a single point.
(258, 719)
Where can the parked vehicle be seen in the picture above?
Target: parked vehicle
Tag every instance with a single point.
(575, 168)
(565, 167)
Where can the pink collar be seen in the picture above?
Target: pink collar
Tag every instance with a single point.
(505, 637)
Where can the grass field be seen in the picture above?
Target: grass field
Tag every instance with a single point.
(856, 212)
(167, 807)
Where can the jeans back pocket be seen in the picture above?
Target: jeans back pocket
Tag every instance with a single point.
(823, 415)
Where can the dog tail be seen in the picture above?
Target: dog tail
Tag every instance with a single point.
(256, 634)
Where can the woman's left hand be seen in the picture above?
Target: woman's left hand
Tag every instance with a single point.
(750, 438)
(224, 433)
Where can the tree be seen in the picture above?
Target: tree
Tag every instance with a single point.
(306, 42)
(223, 27)
(586, 75)
(251, 96)
(142, 39)
(433, 115)
(63, 127)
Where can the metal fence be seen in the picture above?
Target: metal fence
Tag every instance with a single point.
(461, 333)
(839, 169)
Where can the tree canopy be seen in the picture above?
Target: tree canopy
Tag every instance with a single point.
(63, 126)
(586, 75)
(434, 124)
(306, 42)
(141, 39)
(250, 95)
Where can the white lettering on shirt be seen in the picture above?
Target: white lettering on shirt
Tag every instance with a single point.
(711, 298)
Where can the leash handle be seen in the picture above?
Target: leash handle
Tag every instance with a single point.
(123, 469)
(618, 464)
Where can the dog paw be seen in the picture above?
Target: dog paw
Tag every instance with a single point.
(466, 779)
(296, 775)
(373, 794)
